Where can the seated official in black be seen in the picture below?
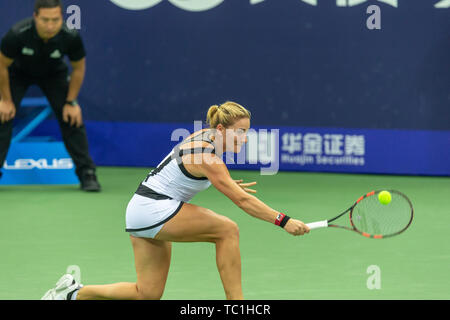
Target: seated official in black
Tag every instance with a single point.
(32, 53)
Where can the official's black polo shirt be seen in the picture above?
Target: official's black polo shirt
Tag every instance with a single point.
(35, 58)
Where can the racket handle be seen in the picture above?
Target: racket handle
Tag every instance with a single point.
(318, 224)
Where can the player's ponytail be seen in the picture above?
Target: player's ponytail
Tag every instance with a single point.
(226, 114)
(212, 117)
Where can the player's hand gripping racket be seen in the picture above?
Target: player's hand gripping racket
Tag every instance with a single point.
(373, 219)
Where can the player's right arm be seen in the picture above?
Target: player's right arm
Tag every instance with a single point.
(216, 171)
(7, 108)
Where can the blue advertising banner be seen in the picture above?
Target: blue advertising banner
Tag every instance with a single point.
(351, 150)
(36, 160)
(38, 163)
(351, 85)
(269, 149)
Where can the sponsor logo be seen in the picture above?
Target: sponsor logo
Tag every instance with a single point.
(323, 149)
(40, 164)
(351, 3)
(136, 4)
(188, 5)
(196, 5)
(55, 54)
(270, 149)
(27, 51)
(203, 5)
(443, 4)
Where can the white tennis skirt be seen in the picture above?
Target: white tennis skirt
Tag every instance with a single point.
(145, 217)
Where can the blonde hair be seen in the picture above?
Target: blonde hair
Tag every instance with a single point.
(226, 114)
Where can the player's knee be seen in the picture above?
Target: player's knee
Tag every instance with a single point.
(230, 230)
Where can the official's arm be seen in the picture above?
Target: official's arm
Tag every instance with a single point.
(7, 108)
(76, 78)
(5, 90)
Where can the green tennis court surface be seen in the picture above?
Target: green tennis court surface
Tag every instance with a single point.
(46, 229)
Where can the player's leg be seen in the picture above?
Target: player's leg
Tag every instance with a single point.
(197, 224)
(152, 261)
(18, 89)
(75, 139)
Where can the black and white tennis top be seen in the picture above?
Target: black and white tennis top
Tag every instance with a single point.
(171, 180)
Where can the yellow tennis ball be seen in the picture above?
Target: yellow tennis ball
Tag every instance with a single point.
(384, 197)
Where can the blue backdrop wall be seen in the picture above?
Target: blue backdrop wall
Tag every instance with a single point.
(299, 66)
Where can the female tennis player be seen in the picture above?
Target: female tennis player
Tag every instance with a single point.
(159, 213)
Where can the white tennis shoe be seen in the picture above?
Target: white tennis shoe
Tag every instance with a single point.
(65, 285)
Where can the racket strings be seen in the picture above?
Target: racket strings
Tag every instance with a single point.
(372, 217)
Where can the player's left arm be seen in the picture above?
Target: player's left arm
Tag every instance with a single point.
(216, 171)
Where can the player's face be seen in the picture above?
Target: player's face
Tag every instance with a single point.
(49, 22)
(236, 135)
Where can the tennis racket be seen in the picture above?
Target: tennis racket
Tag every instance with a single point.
(372, 219)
